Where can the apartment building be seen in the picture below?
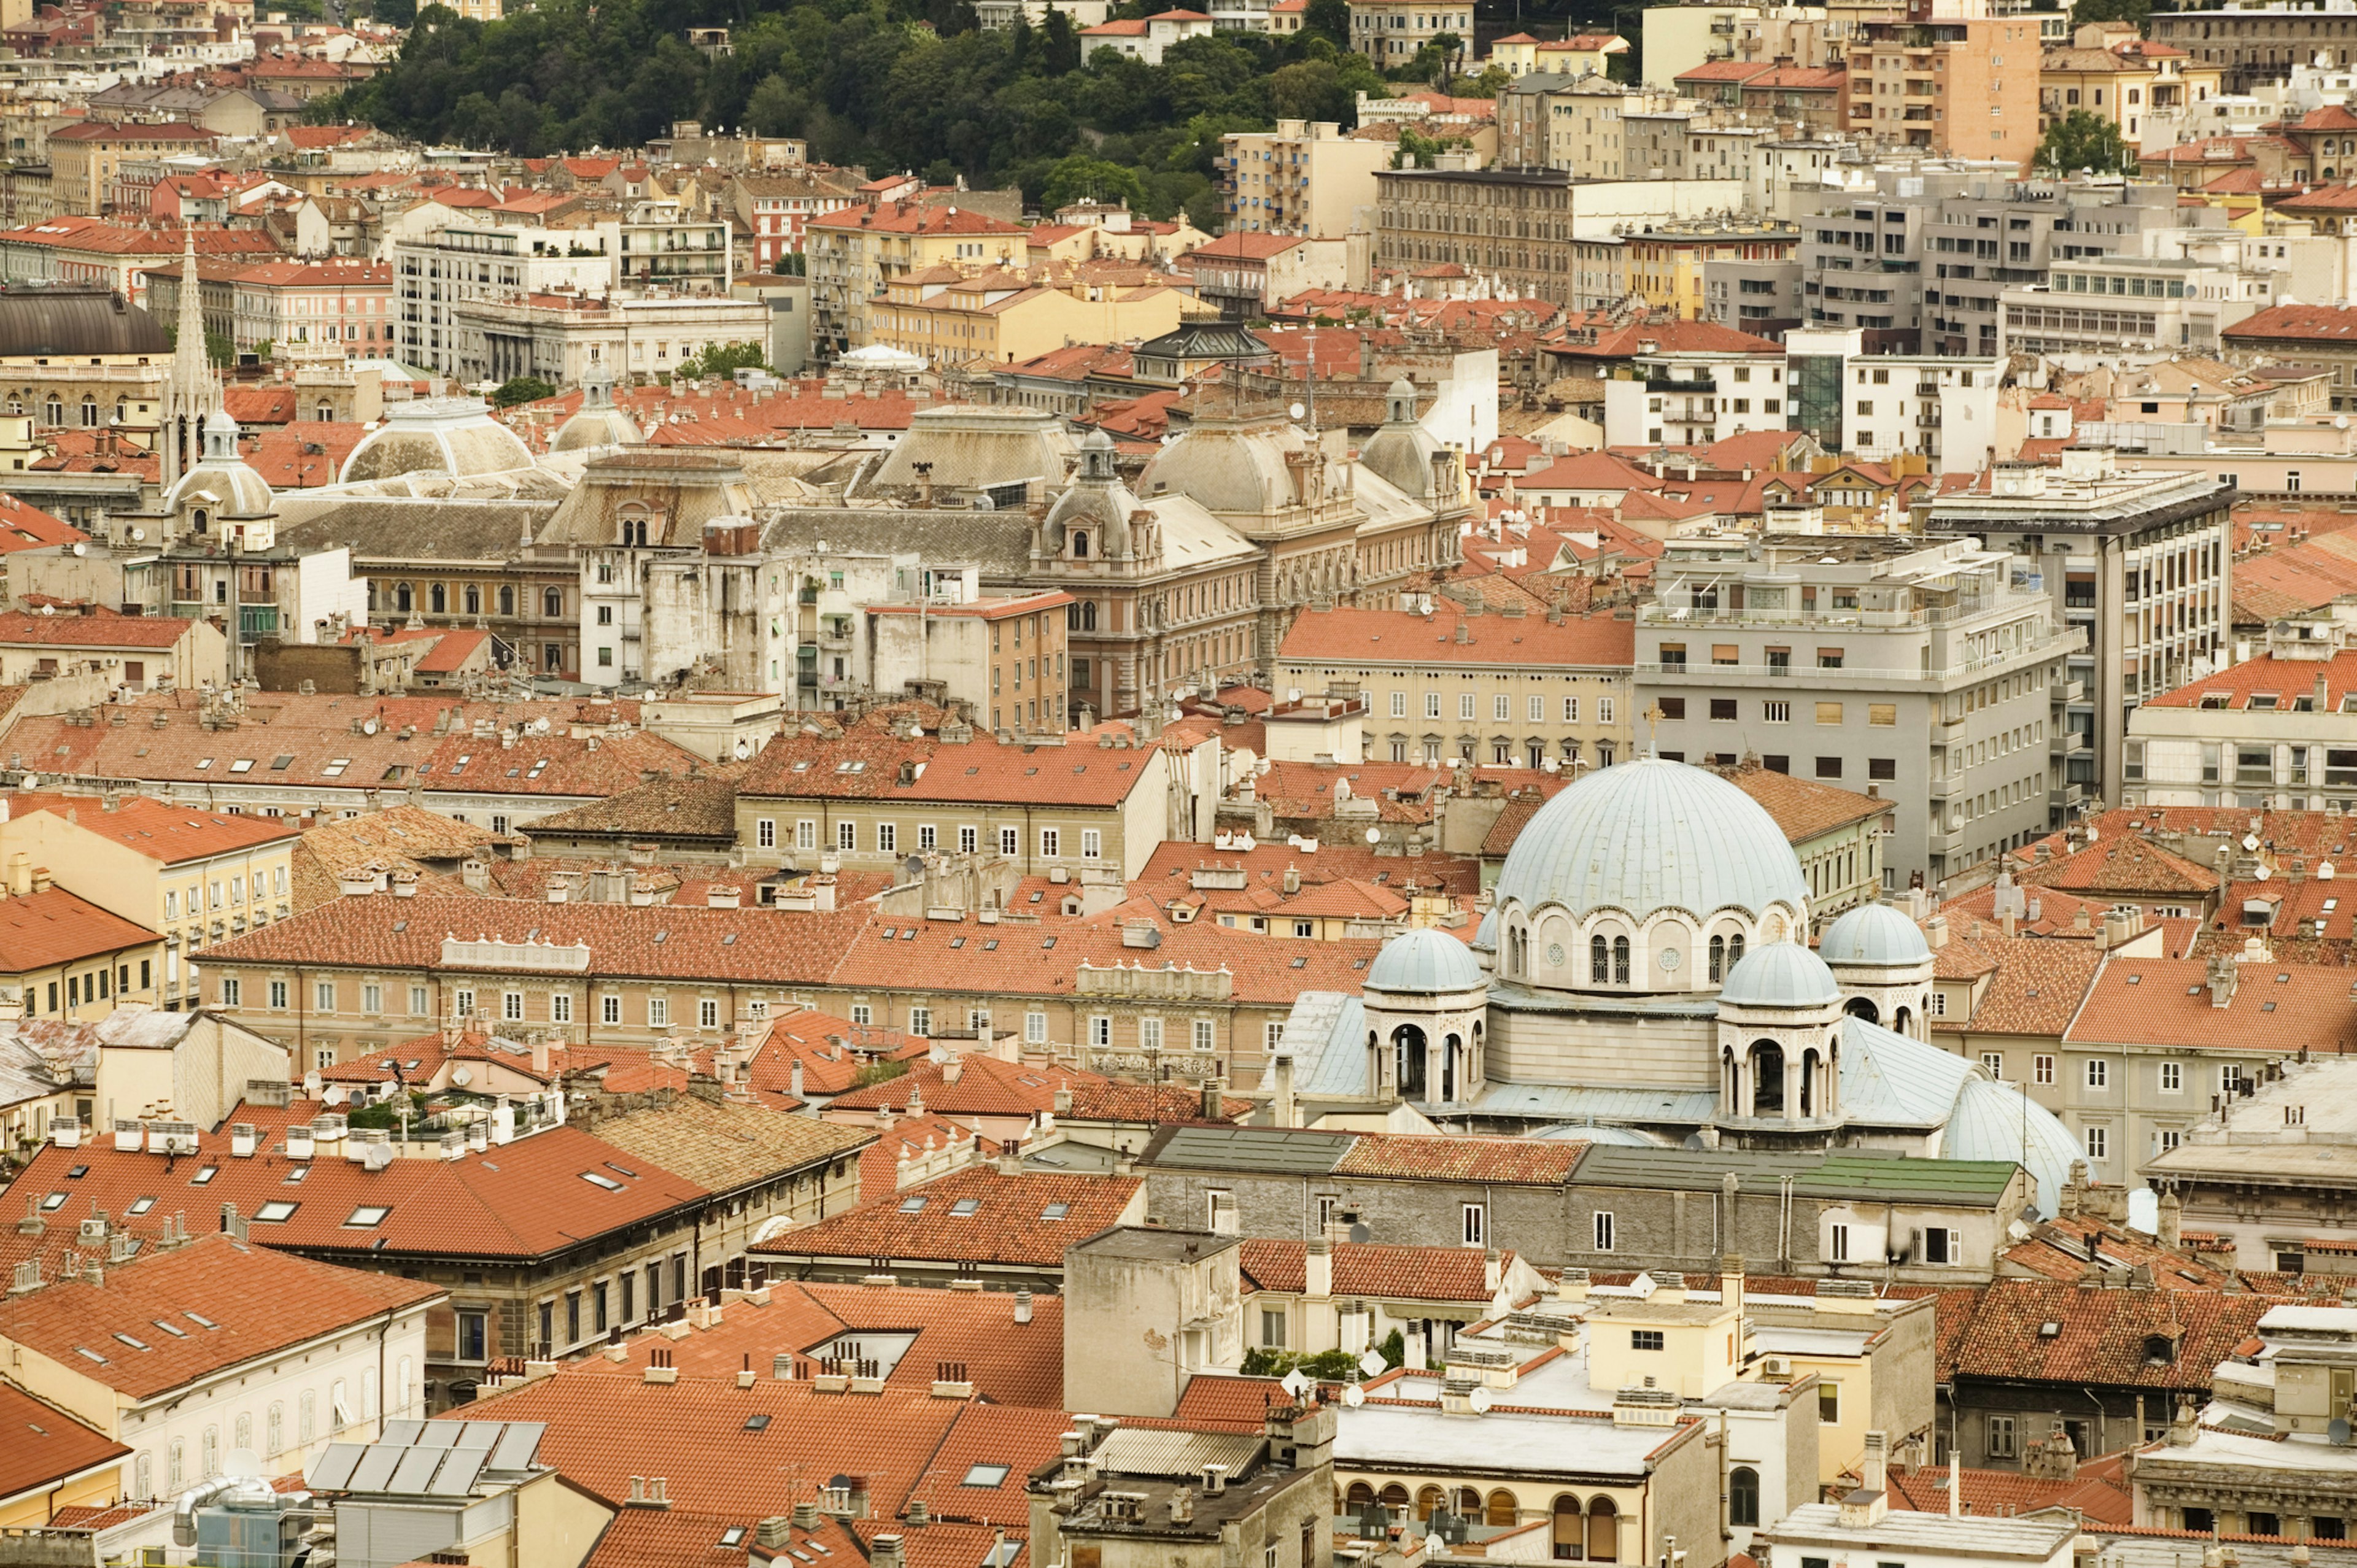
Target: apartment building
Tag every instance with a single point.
(338, 308)
(2255, 45)
(1501, 690)
(1965, 89)
(1666, 260)
(1931, 677)
(445, 268)
(2140, 560)
(1390, 32)
(1884, 406)
(1524, 225)
(1693, 397)
(2273, 731)
(2112, 73)
(855, 252)
(1304, 178)
(2323, 335)
(85, 156)
(196, 877)
(567, 338)
(1550, 120)
(659, 245)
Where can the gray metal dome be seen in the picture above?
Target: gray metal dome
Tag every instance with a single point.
(1425, 960)
(1648, 835)
(1874, 935)
(1781, 975)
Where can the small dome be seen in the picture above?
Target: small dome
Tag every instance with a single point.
(1648, 835)
(453, 436)
(597, 423)
(1781, 975)
(222, 482)
(1874, 935)
(1425, 960)
(1097, 498)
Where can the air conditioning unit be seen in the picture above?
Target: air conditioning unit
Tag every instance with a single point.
(1776, 1366)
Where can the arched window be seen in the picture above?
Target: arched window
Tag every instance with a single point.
(1570, 1545)
(1394, 1497)
(507, 600)
(1717, 959)
(199, 518)
(1469, 1503)
(274, 1429)
(1599, 960)
(143, 1476)
(89, 412)
(1603, 1531)
(208, 1453)
(1359, 1498)
(53, 410)
(1863, 1007)
(437, 599)
(1089, 617)
(1407, 1043)
(404, 597)
(1072, 615)
(1905, 1022)
(176, 1470)
(1766, 1079)
(121, 410)
(16, 406)
(1743, 1496)
(307, 1418)
(1734, 949)
(1426, 1500)
(325, 414)
(1808, 1083)
(1080, 545)
(473, 598)
(371, 594)
(1501, 1513)
(552, 602)
(244, 1432)
(1620, 961)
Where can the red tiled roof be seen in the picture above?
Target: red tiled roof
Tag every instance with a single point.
(154, 632)
(38, 930)
(1450, 637)
(2005, 1493)
(27, 527)
(2277, 1008)
(972, 1085)
(1008, 1223)
(1366, 1269)
(1501, 1161)
(46, 1445)
(162, 1322)
(158, 830)
(2287, 680)
(2103, 1338)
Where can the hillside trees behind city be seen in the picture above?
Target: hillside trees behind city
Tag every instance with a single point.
(889, 84)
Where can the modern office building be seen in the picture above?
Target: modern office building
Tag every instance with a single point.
(1926, 671)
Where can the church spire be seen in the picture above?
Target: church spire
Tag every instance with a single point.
(191, 393)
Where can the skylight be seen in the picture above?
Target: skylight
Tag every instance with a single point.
(986, 1475)
(199, 1319)
(912, 1205)
(609, 1183)
(369, 1214)
(1055, 1211)
(86, 1351)
(141, 1205)
(965, 1207)
(336, 766)
(758, 1421)
(52, 1203)
(273, 1212)
(127, 1339)
(174, 1332)
(732, 1536)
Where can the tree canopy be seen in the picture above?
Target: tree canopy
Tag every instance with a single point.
(2087, 11)
(522, 389)
(890, 84)
(2081, 140)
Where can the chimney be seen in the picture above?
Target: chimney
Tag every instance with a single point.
(1873, 1476)
(798, 1077)
(884, 1551)
(2172, 1218)
(1730, 1279)
(1023, 1304)
(1317, 1269)
(1214, 1096)
(2222, 976)
(1282, 1108)
(772, 1532)
(1955, 1483)
(806, 1516)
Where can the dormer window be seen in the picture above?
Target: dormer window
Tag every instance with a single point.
(1080, 545)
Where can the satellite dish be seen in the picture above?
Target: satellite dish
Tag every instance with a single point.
(245, 1462)
(137, 534)
(1354, 1395)
(1479, 1399)
(1360, 1234)
(2250, 841)
(744, 749)
(2337, 1430)
(1295, 1383)
(462, 1077)
(2263, 873)
(367, 727)
(1375, 836)
(82, 549)
(1371, 1363)
(1297, 411)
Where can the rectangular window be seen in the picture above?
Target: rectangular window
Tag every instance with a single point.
(2041, 1069)
(417, 1001)
(1432, 704)
(806, 833)
(967, 839)
(1829, 713)
(371, 999)
(1399, 704)
(2099, 1073)
(920, 1022)
(1465, 704)
(1648, 1339)
(2000, 1441)
(1092, 843)
(707, 1012)
(1571, 710)
(278, 994)
(473, 1336)
(463, 1001)
(1100, 1030)
(512, 1006)
(657, 1012)
(846, 835)
(888, 838)
(1035, 1028)
(1272, 1329)
(1838, 1244)
(1939, 1244)
(1829, 1404)
(1051, 843)
(560, 1008)
(765, 832)
(232, 992)
(609, 1009)
(928, 836)
(1008, 843)
(1992, 1063)
(2172, 1077)
(2099, 1143)
(1604, 1229)
(323, 996)
(1882, 714)
(1476, 1224)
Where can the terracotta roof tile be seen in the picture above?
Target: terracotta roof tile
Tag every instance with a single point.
(2036, 987)
(2125, 863)
(160, 831)
(971, 1085)
(38, 930)
(2103, 1337)
(1028, 1220)
(1803, 807)
(1450, 637)
(1993, 1493)
(150, 632)
(46, 1445)
(1367, 1269)
(2275, 1007)
(1502, 1161)
(164, 1321)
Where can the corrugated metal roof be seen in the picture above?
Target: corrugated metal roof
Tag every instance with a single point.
(1134, 1451)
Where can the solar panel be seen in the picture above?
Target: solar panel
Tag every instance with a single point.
(441, 1433)
(415, 1470)
(400, 1433)
(335, 1467)
(479, 1433)
(375, 1469)
(456, 1477)
(519, 1444)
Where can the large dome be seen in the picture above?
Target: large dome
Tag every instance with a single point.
(1652, 834)
(1992, 1122)
(1781, 975)
(1874, 935)
(1425, 960)
(1230, 466)
(454, 436)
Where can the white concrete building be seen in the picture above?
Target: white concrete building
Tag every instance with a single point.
(1693, 397)
(442, 268)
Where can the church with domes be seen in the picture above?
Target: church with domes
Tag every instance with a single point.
(1647, 969)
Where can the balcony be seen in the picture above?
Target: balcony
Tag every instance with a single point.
(1928, 419)
(2073, 690)
(1947, 788)
(2065, 797)
(1664, 384)
(2066, 743)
